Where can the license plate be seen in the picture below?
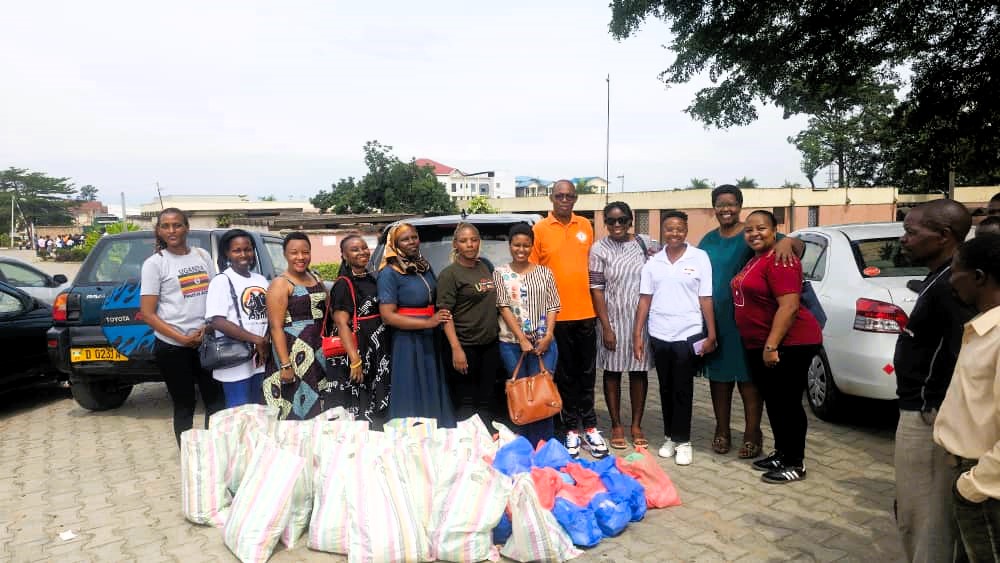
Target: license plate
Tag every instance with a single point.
(96, 354)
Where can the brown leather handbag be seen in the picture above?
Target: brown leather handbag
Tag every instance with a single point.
(532, 398)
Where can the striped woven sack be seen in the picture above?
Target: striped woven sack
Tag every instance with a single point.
(295, 436)
(237, 424)
(384, 526)
(326, 431)
(474, 428)
(204, 496)
(469, 499)
(418, 463)
(328, 528)
(536, 535)
(263, 503)
(414, 427)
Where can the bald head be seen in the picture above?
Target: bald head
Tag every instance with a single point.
(946, 216)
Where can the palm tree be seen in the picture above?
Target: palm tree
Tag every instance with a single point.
(700, 184)
(745, 183)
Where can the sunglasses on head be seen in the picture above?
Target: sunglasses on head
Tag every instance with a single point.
(616, 221)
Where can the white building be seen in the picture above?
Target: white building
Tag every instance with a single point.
(462, 185)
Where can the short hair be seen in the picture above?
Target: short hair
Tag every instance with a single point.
(674, 214)
(226, 240)
(767, 214)
(727, 189)
(991, 223)
(941, 214)
(621, 206)
(982, 253)
(995, 198)
(295, 235)
(564, 181)
(521, 228)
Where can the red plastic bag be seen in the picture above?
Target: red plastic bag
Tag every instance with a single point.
(587, 485)
(547, 484)
(642, 466)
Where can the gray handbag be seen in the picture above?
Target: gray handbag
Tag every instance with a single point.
(220, 352)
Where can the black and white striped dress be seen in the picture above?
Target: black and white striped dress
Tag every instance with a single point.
(615, 267)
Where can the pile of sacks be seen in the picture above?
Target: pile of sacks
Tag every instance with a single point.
(412, 492)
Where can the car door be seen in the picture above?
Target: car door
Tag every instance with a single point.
(815, 260)
(22, 335)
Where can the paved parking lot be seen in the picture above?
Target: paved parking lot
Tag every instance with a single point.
(112, 479)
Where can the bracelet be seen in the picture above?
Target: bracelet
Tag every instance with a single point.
(285, 366)
(357, 365)
(768, 348)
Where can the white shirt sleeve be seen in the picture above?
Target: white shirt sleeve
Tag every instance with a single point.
(705, 287)
(646, 279)
(218, 302)
(150, 279)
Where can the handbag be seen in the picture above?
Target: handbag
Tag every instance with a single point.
(333, 346)
(811, 301)
(221, 352)
(532, 398)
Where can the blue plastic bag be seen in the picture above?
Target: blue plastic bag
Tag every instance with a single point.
(600, 466)
(580, 523)
(514, 458)
(625, 489)
(611, 516)
(503, 530)
(552, 454)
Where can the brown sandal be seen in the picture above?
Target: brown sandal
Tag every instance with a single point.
(639, 440)
(618, 438)
(722, 444)
(749, 450)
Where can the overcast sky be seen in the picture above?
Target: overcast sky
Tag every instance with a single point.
(279, 97)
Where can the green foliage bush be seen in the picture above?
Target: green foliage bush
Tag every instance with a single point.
(72, 254)
(327, 270)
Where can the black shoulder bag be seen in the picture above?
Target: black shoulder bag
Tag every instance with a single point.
(221, 352)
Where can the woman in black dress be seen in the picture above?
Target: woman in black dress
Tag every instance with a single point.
(360, 379)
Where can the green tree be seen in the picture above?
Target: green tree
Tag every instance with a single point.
(582, 187)
(479, 204)
(700, 184)
(88, 193)
(267, 198)
(41, 199)
(791, 185)
(745, 183)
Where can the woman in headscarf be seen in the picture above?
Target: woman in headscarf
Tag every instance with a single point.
(406, 287)
(359, 379)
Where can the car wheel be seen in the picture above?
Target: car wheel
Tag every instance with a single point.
(100, 396)
(822, 393)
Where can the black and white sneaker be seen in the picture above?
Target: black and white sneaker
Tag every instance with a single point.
(785, 475)
(769, 463)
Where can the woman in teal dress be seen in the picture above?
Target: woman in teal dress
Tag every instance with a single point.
(726, 367)
(406, 286)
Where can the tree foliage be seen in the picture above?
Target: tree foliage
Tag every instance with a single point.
(88, 193)
(390, 186)
(745, 183)
(479, 204)
(41, 199)
(700, 184)
(822, 58)
(582, 187)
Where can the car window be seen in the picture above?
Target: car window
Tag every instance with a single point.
(20, 276)
(277, 254)
(435, 243)
(121, 259)
(10, 304)
(883, 258)
(814, 258)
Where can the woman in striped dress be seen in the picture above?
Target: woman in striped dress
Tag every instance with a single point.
(615, 266)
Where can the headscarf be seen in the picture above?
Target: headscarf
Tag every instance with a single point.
(399, 261)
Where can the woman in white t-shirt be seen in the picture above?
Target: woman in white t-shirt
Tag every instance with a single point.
(236, 308)
(173, 292)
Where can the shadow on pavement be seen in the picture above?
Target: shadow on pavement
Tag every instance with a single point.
(29, 398)
(147, 401)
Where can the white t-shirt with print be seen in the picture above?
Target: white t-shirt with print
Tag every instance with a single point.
(181, 283)
(250, 292)
(675, 311)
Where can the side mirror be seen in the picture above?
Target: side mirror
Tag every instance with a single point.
(59, 279)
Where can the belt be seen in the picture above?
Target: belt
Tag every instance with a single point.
(961, 462)
(427, 311)
(369, 317)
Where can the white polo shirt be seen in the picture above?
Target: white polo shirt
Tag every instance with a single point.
(675, 313)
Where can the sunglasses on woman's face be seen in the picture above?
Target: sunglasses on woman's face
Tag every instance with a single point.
(611, 221)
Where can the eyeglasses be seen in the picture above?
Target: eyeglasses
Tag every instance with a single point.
(564, 197)
(611, 221)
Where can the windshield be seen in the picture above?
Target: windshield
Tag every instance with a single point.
(435, 244)
(883, 258)
(117, 260)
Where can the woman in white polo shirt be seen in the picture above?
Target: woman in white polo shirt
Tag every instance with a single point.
(675, 297)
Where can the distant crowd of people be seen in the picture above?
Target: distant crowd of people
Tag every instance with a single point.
(48, 244)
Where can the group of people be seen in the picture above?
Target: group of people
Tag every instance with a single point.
(947, 361)
(49, 244)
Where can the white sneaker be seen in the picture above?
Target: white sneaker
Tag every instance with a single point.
(684, 454)
(593, 441)
(573, 444)
(668, 448)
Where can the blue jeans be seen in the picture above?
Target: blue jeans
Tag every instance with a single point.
(510, 354)
(248, 391)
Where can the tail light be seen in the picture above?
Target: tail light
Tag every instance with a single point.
(59, 308)
(878, 316)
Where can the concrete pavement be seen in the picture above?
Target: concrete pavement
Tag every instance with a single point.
(113, 479)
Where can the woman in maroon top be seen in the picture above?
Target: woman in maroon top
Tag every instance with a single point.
(780, 338)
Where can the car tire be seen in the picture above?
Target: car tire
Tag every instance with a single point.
(100, 396)
(821, 392)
